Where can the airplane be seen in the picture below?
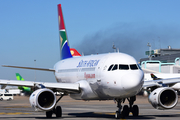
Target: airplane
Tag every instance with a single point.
(23, 88)
(112, 76)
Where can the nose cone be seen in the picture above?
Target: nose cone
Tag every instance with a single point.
(132, 82)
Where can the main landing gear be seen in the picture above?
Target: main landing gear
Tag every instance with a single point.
(126, 109)
(57, 110)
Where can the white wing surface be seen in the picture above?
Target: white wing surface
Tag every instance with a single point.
(61, 87)
(161, 82)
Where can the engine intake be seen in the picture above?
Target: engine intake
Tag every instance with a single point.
(43, 99)
(163, 98)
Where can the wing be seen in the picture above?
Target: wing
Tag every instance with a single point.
(161, 82)
(149, 71)
(60, 87)
(32, 68)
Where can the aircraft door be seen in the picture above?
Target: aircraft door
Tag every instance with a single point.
(101, 66)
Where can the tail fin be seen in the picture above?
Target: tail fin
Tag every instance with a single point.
(74, 52)
(18, 76)
(65, 50)
(26, 89)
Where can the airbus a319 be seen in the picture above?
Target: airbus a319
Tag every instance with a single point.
(111, 76)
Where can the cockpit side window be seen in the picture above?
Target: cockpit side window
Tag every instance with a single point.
(123, 67)
(109, 69)
(115, 67)
(133, 67)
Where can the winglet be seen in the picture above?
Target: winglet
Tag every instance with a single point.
(65, 50)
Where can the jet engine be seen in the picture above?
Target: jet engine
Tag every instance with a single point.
(163, 98)
(43, 99)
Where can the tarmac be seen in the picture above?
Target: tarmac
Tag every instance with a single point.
(20, 109)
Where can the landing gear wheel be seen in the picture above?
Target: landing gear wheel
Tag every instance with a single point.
(125, 112)
(58, 111)
(117, 115)
(135, 111)
(49, 114)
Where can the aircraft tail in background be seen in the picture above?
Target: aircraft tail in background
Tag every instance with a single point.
(25, 89)
(64, 45)
(74, 52)
(18, 76)
(154, 77)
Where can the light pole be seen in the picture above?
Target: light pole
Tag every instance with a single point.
(149, 45)
(35, 70)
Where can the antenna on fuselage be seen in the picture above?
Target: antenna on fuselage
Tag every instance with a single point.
(118, 50)
(82, 54)
(114, 47)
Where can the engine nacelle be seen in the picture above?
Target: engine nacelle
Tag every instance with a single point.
(163, 98)
(43, 99)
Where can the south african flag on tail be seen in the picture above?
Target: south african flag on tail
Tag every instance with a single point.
(64, 45)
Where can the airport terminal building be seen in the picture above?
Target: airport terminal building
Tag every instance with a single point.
(162, 60)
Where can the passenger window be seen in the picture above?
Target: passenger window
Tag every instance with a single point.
(123, 67)
(115, 67)
(133, 67)
(109, 69)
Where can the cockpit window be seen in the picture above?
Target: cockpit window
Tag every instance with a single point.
(133, 67)
(123, 67)
(115, 67)
(109, 69)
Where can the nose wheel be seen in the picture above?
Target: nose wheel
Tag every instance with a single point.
(126, 109)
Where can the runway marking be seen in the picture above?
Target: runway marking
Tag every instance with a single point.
(108, 114)
(17, 107)
(105, 113)
(16, 113)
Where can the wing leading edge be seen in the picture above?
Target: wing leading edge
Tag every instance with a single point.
(32, 68)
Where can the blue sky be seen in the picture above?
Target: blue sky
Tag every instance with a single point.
(29, 30)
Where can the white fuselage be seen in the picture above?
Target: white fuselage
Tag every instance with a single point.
(101, 77)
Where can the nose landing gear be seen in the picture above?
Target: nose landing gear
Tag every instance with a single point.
(126, 109)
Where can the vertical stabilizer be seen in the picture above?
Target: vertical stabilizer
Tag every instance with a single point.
(25, 89)
(154, 77)
(74, 52)
(64, 46)
(19, 77)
